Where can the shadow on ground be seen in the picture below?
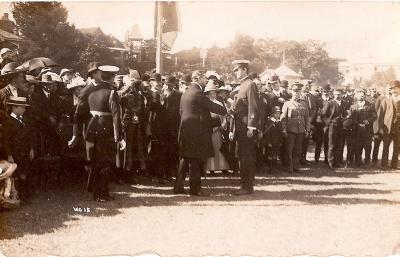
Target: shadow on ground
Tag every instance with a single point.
(54, 209)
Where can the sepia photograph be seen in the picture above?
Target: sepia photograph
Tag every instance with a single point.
(199, 128)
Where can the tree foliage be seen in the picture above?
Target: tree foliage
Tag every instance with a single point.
(47, 33)
(310, 57)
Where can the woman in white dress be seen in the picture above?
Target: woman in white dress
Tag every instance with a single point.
(218, 162)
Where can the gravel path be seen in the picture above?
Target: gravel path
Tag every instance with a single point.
(318, 213)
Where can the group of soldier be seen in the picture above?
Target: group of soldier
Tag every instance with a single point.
(163, 126)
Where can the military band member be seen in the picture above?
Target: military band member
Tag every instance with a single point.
(103, 134)
(295, 123)
(363, 114)
(247, 111)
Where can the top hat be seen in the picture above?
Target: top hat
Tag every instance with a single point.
(186, 78)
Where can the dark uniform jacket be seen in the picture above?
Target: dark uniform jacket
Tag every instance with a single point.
(247, 106)
(195, 126)
(295, 117)
(104, 130)
(272, 133)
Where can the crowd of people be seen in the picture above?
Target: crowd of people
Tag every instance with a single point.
(166, 127)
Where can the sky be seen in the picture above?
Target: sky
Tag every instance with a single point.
(356, 31)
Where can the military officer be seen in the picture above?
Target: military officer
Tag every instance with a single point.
(247, 111)
(103, 134)
(295, 123)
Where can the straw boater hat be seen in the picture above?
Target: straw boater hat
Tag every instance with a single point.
(63, 71)
(18, 101)
(50, 77)
(210, 87)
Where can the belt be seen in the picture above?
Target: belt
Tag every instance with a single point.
(98, 113)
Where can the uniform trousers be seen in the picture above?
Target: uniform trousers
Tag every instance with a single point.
(294, 146)
(194, 167)
(247, 160)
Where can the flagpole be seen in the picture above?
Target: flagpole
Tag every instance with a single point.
(159, 38)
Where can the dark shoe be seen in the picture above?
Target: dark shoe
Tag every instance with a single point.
(242, 191)
(296, 170)
(200, 193)
(305, 162)
(179, 192)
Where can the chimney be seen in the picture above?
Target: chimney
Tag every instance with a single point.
(5, 16)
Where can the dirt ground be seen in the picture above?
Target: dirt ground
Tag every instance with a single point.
(348, 212)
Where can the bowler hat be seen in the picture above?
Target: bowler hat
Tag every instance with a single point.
(326, 88)
(297, 86)
(284, 83)
(170, 80)
(348, 123)
(156, 77)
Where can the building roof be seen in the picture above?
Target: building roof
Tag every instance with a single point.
(91, 31)
(4, 35)
(285, 72)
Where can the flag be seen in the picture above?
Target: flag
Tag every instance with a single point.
(170, 21)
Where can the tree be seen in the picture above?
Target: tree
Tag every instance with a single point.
(47, 33)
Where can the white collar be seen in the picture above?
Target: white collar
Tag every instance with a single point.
(47, 94)
(273, 119)
(361, 104)
(276, 92)
(15, 116)
(338, 101)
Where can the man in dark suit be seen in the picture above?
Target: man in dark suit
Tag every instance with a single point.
(396, 127)
(363, 114)
(311, 102)
(20, 139)
(247, 115)
(334, 112)
(13, 73)
(171, 104)
(195, 130)
(46, 113)
(386, 110)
